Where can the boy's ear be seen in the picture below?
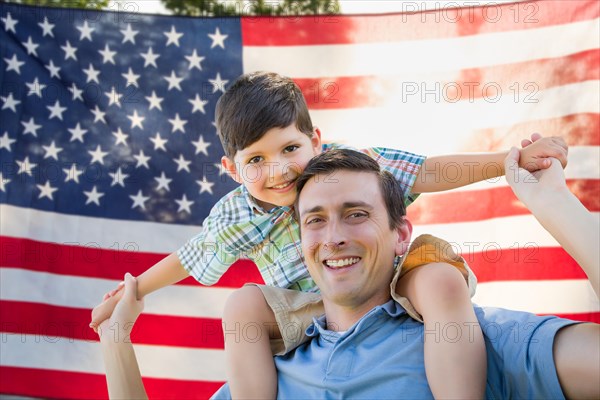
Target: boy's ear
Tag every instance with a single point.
(229, 166)
(316, 141)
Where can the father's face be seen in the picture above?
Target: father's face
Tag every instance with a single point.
(346, 238)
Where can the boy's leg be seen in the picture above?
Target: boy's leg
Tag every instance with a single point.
(455, 356)
(248, 326)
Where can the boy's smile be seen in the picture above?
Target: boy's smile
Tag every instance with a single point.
(269, 167)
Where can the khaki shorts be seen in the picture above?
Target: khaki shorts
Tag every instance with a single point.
(294, 311)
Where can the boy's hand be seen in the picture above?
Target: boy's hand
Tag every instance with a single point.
(536, 153)
(104, 310)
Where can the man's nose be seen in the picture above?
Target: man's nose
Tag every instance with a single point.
(335, 237)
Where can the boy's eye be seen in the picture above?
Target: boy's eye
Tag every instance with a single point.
(255, 160)
(290, 148)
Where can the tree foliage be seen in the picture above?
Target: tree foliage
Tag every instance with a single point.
(90, 5)
(255, 7)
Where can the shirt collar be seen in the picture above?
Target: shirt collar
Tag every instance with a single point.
(319, 325)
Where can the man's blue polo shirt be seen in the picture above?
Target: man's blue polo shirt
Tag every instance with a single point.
(381, 357)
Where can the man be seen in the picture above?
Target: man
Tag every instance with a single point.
(365, 346)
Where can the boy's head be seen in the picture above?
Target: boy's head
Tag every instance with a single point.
(256, 103)
(268, 137)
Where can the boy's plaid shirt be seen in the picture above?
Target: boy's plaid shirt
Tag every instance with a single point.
(238, 228)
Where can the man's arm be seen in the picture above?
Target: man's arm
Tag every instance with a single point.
(439, 173)
(123, 375)
(547, 196)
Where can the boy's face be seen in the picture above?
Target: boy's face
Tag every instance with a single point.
(270, 166)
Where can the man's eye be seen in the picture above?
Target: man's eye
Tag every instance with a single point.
(313, 220)
(291, 148)
(255, 160)
(359, 214)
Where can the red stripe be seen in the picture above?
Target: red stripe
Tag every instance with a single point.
(44, 320)
(51, 384)
(519, 81)
(477, 205)
(443, 23)
(93, 262)
(586, 317)
(577, 130)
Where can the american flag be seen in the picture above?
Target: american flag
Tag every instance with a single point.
(110, 160)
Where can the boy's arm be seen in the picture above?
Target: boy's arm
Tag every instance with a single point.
(447, 172)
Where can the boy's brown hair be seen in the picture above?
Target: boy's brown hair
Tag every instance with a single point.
(255, 103)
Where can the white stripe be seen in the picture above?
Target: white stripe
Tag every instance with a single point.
(449, 54)
(417, 125)
(70, 291)
(57, 353)
(539, 297)
(115, 234)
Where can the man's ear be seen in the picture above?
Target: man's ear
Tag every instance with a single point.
(229, 166)
(315, 140)
(404, 235)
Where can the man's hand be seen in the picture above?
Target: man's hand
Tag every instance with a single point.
(529, 185)
(127, 309)
(536, 153)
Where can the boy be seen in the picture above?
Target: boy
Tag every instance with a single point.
(268, 138)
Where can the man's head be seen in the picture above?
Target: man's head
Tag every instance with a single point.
(267, 134)
(352, 223)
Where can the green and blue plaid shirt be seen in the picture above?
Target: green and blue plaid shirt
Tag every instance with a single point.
(238, 228)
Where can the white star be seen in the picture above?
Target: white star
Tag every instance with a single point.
(92, 74)
(77, 133)
(131, 78)
(98, 155)
(107, 55)
(56, 111)
(221, 168)
(184, 204)
(159, 142)
(218, 83)
(69, 51)
(154, 101)
(54, 70)
(25, 166)
(129, 34)
(5, 181)
(93, 196)
(118, 178)
(72, 173)
(201, 145)
(142, 160)
(35, 88)
(76, 92)
(198, 104)
(218, 39)
(178, 124)
(47, 27)
(182, 163)
(30, 127)
(121, 137)
(52, 151)
(194, 60)
(10, 102)
(205, 186)
(86, 31)
(14, 64)
(46, 190)
(31, 47)
(136, 120)
(173, 81)
(150, 58)
(173, 36)
(139, 199)
(6, 142)
(9, 23)
(113, 97)
(98, 114)
(163, 182)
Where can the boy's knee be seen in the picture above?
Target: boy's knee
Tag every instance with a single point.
(444, 282)
(246, 304)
